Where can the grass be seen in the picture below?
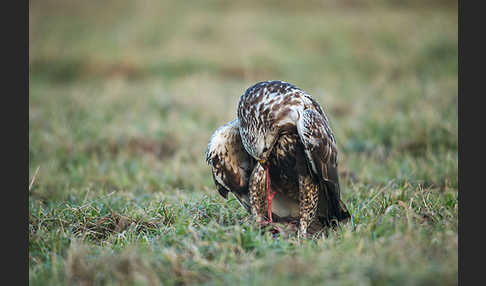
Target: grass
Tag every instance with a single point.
(124, 97)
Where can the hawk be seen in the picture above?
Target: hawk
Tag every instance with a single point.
(279, 158)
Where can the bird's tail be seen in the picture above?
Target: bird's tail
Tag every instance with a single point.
(337, 210)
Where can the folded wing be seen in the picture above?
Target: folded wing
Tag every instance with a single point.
(321, 153)
(230, 163)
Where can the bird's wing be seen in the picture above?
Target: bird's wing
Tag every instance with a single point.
(231, 165)
(321, 154)
(319, 146)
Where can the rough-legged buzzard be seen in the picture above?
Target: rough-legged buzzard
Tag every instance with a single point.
(279, 158)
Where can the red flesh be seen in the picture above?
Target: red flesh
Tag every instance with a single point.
(269, 196)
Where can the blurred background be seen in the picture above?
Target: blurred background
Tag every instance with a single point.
(143, 84)
(124, 95)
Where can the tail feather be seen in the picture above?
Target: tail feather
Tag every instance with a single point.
(336, 207)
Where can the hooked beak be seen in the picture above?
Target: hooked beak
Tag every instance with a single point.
(264, 163)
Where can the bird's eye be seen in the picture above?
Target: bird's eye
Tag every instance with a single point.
(265, 149)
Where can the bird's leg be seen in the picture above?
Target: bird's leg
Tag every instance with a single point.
(308, 201)
(257, 193)
(259, 181)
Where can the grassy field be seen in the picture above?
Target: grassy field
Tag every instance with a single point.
(124, 96)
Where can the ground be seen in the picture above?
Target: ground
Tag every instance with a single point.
(124, 96)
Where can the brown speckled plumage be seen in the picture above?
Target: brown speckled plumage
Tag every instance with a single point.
(281, 127)
(257, 193)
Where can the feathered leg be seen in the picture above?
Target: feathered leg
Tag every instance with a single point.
(308, 201)
(257, 193)
(260, 194)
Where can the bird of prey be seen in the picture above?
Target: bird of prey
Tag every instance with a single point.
(279, 158)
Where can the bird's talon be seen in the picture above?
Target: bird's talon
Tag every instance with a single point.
(275, 231)
(264, 223)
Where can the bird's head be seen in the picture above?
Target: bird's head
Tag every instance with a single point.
(260, 144)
